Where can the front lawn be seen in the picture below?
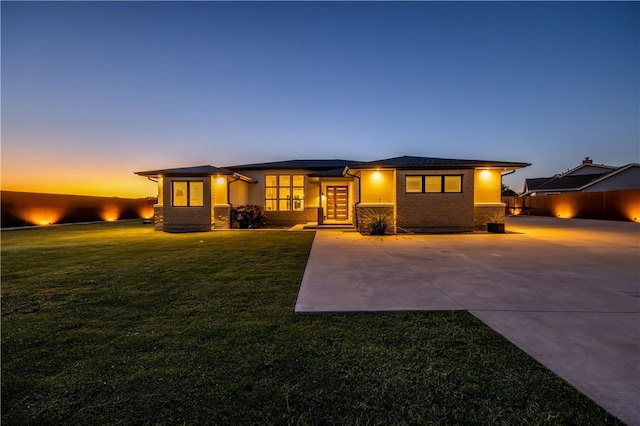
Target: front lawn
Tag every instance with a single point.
(115, 323)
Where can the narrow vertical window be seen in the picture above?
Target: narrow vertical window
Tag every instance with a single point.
(271, 193)
(196, 196)
(180, 191)
(298, 192)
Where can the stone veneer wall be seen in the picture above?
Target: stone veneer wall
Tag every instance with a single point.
(435, 212)
(158, 217)
(221, 217)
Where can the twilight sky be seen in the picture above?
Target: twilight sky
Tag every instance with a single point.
(92, 92)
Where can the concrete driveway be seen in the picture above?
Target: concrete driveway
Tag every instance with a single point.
(565, 291)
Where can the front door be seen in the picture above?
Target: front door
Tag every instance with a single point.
(338, 202)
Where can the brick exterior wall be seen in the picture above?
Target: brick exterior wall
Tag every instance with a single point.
(187, 219)
(435, 212)
(482, 214)
(310, 214)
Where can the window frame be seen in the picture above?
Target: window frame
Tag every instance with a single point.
(187, 195)
(277, 201)
(442, 184)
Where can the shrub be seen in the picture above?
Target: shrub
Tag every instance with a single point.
(376, 221)
(249, 216)
(496, 217)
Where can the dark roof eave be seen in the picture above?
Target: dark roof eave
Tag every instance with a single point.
(180, 174)
(312, 165)
(199, 171)
(506, 166)
(337, 172)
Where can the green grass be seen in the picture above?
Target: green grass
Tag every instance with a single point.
(118, 324)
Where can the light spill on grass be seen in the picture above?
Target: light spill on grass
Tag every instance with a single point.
(116, 323)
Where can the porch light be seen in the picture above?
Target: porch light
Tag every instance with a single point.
(376, 176)
(485, 174)
(220, 180)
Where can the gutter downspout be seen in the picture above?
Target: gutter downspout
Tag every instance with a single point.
(346, 171)
(501, 176)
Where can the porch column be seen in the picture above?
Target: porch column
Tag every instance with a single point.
(320, 209)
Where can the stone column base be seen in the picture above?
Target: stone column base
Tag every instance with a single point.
(221, 216)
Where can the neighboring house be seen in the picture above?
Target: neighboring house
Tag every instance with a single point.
(421, 194)
(587, 177)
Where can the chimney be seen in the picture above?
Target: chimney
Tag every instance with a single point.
(587, 160)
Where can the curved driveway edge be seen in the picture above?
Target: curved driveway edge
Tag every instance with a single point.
(567, 292)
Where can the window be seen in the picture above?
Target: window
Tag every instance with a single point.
(284, 192)
(414, 184)
(452, 183)
(433, 184)
(188, 193)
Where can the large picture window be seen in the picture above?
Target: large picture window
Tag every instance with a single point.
(188, 193)
(284, 192)
(433, 184)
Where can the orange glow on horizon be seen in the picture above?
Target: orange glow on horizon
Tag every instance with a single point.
(43, 216)
(77, 179)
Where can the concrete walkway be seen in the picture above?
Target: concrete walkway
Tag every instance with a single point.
(565, 291)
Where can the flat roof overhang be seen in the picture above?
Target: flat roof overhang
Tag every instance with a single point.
(198, 171)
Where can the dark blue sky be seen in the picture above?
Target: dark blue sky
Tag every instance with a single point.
(94, 91)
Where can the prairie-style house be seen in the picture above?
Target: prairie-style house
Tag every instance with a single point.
(420, 194)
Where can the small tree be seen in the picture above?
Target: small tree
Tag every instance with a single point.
(508, 192)
(249, 216)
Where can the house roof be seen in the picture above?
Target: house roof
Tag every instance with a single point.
(533, 183)
(338, 172)
(571, 182)
(193, 171)
(603, 169)
(296, 164)
(409, 162)
(333, 167)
